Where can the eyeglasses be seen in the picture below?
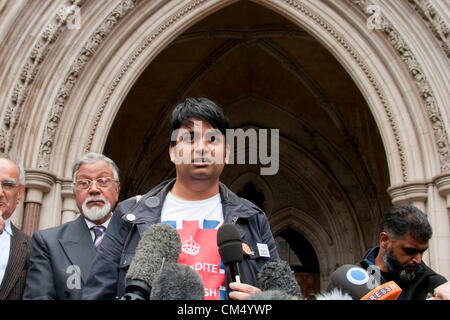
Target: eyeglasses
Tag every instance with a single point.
(102, 182)
(8, 185)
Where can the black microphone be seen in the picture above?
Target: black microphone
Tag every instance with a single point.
(357, 282)
(177, 282)
(277, 276)
(230, 249)
(160, 244)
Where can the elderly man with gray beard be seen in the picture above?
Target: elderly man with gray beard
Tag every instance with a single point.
(62, 256)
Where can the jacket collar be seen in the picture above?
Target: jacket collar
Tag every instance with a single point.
(148, 210)
(77, 243)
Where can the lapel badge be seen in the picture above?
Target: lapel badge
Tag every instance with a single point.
(246, 249)
(131, 217)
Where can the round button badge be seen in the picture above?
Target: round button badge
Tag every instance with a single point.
(131, 217)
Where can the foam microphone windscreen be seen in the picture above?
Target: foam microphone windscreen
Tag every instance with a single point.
(277, 275)
(271, 295)
(230, 244)
(333, 294)
(159, 243)
(177, 282)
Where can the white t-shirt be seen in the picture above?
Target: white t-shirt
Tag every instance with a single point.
(197, 223)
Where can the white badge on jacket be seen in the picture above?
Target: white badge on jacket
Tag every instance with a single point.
(263, 250)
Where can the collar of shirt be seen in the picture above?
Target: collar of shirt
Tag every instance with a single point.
(7, 228)
(90, 224)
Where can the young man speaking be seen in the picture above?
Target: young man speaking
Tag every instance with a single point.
(196, 204)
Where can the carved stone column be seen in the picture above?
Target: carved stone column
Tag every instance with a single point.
(37, 183)
(69, 205)
(415, 193)
(442, 183)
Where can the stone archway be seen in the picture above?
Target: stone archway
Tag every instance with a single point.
(63, 89)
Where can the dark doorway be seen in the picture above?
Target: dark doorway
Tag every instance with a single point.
(294, 248)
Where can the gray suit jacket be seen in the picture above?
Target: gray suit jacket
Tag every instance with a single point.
(16, 271)
(60, 262)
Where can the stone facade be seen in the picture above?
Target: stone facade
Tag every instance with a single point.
(358, 89)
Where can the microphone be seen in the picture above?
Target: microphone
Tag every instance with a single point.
(160, 244)
(277, 275)
(271, 295)
(177, 282)
(333, 294)
(387, 291)
(230, 249)
(354, 281)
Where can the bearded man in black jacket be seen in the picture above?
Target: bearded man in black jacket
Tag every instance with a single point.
(404, 235)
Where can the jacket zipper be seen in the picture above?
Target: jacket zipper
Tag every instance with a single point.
(233, 221)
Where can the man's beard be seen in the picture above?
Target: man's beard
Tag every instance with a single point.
(396, 269)
(96, 213)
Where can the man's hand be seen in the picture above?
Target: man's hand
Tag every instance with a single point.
(2, 223)
(442, 292)
(241, 290)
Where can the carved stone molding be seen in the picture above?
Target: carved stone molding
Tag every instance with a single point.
(354, 54)
(28, 73)
(422, 83)
(39, 179)
(67, 188)
(188, 8)
(409, 192)
(88, 51)
(434, 21)
(442, 183)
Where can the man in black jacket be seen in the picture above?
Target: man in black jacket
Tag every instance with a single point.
(405, 232)
(196, 204)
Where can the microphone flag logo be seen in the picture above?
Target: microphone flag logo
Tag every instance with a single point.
(357, 276)
(190, 247)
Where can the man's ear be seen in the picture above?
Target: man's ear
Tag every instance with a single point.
(384, 240)
(118, 190)
(172, 153)
(227, 153)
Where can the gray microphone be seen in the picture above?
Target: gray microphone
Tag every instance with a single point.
(160, 244)
(177, 282)
(278, 276)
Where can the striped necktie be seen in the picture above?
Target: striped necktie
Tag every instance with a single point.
(98, 231)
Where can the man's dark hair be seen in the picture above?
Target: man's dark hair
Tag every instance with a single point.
(403, 219)
(200, 108)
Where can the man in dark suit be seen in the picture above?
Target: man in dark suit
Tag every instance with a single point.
(15, 246)
(62, 256)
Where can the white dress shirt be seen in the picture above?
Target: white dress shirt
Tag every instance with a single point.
(5, 246)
